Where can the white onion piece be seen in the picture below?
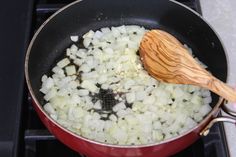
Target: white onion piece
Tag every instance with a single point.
(74, 38)
(64, 62)
(130, 97)
(119, 106)
(70, 70)
(83, 92)
(90, 34)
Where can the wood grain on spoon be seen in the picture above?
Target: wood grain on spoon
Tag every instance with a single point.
(166, 59)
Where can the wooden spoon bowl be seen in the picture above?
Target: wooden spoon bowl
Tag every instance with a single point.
(166, 59)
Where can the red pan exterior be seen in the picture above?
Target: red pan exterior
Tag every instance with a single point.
(93, 149)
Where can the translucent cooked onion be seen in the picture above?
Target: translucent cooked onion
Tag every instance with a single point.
(145, 110)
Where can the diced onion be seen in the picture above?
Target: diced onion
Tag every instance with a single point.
(145, 110)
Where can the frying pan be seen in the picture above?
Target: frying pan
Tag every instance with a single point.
(53, 37)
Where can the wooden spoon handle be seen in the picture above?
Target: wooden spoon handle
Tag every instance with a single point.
(222, 89)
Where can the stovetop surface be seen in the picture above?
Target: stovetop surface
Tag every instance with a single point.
(22, 134)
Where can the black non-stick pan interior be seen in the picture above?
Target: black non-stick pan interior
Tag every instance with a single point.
(188, 27)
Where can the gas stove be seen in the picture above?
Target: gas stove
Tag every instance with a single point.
(31, 138)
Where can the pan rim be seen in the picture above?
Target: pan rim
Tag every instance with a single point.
(39, 106)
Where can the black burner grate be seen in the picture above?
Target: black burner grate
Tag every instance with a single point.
(38, 142)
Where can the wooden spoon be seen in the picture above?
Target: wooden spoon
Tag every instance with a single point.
(166, 59)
